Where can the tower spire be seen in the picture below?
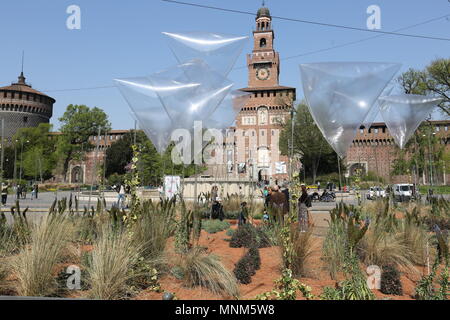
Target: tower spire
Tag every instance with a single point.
(22, 77)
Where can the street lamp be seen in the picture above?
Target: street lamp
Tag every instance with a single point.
(21, 158)
(430, 156)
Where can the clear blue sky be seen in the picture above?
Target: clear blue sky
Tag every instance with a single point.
(123, 39)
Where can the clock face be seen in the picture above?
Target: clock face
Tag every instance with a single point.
(263, 73)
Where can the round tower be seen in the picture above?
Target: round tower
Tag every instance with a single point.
(22, 106)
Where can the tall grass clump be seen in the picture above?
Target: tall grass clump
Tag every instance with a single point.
(206, 270)
(35, 264)
(155, 224)
(334, 247)
(303, 246)
(394, 241)
(110, 266)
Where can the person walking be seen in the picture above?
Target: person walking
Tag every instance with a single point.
(4, 193)
(243, 216)
(18, 191)
(266, 197)
(121, 197)
(318, 186)
(303, 210)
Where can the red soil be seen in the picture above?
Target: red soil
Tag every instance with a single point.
(264, 279)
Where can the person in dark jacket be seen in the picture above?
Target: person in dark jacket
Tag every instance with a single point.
(285, 191)
(303, 210)
(243, 216)
(277, 203)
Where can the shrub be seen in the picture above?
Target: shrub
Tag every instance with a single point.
(247, 236)
(214, 226)
(244, 269)
(253, 252)
(390, 281)
(244, 236)
(34, 265)
(263, 238)
(110, 267)
(230, 232)
(206, 270)
(286, 289)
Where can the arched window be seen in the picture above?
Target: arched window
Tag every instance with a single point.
(263, 43)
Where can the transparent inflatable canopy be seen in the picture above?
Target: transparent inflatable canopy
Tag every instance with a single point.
(404, 113)
(375, 111)
(190, 92)
(219, 51)
(225, 115)
(195, 90)
(340, 96)
(146, 109)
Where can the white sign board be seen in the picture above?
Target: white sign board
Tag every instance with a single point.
(171, 186)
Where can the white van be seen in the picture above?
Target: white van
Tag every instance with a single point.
(403, 192)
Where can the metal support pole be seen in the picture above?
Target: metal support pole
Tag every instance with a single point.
(3, 152)
(94, 167)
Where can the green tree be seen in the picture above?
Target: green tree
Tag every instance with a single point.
(434, 79)
(151, 166)
(79, 122)
(34, 148)
(316, 154)
(424, 147)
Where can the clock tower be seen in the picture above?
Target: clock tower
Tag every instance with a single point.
(264, 62)
(255, 153)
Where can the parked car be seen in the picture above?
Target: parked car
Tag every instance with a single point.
(375, 193)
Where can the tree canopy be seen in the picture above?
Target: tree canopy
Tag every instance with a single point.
(79, 123)
(434, 80)
(316, 154)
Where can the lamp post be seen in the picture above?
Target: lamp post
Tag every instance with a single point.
(15, 163)
(21, 158)
(293, 112)
(430, 156)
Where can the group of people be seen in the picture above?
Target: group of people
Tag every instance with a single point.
(21, 192)
(277, 201)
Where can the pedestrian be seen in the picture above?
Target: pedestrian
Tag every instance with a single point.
(318, 185)
(24, 191)
(18, 191)
(36, 190)
(121, 197)
(287, 196)
(243, 216)
(277, 203)
(33, 192)
(265, 217)
(4, 193)
(266, 197)
(303, 210)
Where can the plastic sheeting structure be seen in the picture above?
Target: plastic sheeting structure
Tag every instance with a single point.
(340, 96)
(404, 113)
(194, 90)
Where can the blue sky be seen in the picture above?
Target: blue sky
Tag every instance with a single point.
(123, 39)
